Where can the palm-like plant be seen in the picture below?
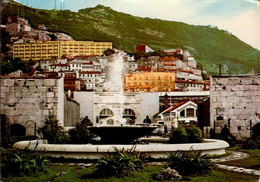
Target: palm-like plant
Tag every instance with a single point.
(120, 162)
(189, 163)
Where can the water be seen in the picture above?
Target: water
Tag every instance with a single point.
(115, 83)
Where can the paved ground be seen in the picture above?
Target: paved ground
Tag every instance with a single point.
(235, 156)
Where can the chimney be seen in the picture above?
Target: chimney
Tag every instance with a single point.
(253, 71)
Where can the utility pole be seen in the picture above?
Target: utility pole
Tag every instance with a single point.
(258, 62)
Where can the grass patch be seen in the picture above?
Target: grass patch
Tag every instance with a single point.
(76, 174)
(221, 176)
(252, 162)
(219, 156)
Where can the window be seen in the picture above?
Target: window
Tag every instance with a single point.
(190, 112)
(106, 113)
(182, 113)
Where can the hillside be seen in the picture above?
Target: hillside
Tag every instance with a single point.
(208, 45)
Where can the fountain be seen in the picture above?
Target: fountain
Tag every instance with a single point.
(116, 129)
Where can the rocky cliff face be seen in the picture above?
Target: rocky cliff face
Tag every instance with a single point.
(19, 28)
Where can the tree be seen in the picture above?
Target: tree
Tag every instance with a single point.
(109, 52)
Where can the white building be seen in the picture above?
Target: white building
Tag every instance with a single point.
(184, 112)
(56, 67)
(191, 62)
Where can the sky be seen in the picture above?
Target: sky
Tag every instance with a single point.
(240, 17)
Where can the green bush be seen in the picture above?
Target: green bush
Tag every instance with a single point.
(120, 163)
(53, 132)
(251, 143)
(194, 134)
(186, 135)
(178, 135)
(189, 163)
(9, 141)
(23, 162)
(80, 134)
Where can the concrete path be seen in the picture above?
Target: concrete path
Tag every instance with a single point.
(235, 155)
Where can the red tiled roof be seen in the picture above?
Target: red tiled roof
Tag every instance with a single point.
(175, 106)
(186, 71)
(88, 63)
(169, 64)
(165, 59)
(196, 68)
(144, 69)
(89, 72)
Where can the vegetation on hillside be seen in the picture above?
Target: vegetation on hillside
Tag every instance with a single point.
(208, 45)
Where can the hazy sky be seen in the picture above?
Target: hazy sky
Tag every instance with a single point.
(241, 17)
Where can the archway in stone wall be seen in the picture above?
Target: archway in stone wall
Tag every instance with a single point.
(129, 115)
(105, 113)
(256, 130)
(17, 130)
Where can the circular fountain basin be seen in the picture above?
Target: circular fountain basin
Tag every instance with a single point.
(89, 151)
(111, 134)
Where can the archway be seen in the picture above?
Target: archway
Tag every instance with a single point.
(256, 130)
(105, 113)
(17, 130)
(129, 115)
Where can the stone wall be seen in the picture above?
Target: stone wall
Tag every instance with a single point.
(28, 101)
(112, 101)
(71, 112)
(91, 104)
(86, 101)
(235, 102)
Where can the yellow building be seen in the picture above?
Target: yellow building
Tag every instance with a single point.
(149, 82)
(43, 50)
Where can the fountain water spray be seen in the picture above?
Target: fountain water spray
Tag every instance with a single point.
(115, 84)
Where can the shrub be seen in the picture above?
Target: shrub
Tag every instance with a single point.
(178, 135)
(81, 134)
(194, 134)
(23, 162)
(168, 174)
(189, 163)
(189, 135)
(53, 132)
(120, 163)
(225, 135)
(251, 143)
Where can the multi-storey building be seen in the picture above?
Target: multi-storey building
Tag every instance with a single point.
(149, 82)
(42, 50)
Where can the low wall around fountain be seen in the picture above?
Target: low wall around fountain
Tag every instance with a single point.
(89, 151)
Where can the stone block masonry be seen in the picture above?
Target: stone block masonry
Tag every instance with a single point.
(28, 101)
(235, 101)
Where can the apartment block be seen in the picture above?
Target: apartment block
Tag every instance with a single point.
(43, 50)
(149, 82)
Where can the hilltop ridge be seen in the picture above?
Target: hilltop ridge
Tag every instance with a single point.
(209, 45)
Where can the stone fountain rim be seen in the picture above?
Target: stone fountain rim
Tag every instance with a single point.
(90, 151)
(120, 126)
